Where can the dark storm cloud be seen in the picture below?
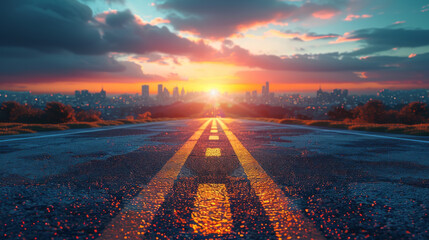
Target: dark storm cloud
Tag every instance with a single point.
(386, 67)
(49, 25)
(119, 19)
(52, 25)
(123, 32)
(52, 37)
(223, 18)
(106, 1)
(27, 65)
(382, 39)
(63, 38)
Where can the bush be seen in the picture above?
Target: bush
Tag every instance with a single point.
(373, 111)
(88, 116)
(14, 112)
(144, 116)
(414, 113)
(339, 114)
(56, 112)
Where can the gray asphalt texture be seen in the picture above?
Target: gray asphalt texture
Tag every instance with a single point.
(350, 186)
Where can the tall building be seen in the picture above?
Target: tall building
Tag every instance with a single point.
(145, 91)
(166, 93)
(183, 92)
(176, 93)
(103, 94)
(264, 94)
(159, 90)
(267, 88)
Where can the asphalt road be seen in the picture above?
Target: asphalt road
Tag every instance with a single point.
(214, 179)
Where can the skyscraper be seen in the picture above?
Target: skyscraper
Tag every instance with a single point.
(267, 89)
(166, 93)
(176, 93)
(103, 94)
(145, 91)
(159, 90)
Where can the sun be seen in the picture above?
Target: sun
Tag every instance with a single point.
(214, 92)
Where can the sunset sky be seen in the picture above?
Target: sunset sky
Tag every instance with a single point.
(229, 45)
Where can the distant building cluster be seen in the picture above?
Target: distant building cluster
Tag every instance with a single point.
(318, 106)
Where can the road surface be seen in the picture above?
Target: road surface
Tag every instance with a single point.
(214, 179)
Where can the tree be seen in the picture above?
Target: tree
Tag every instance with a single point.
(56, 112)
(414, 113)
(373, 111)
(12, 111)
(339, 114)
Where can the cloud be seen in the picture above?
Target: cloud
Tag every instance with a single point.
(27, 65)
(107, 1)
(325, 13)
(398, 70)
(300, 36)
(51, 40)
(63, 37)
(224, 18)
(49, 26)
(381, 39)
(352, 17)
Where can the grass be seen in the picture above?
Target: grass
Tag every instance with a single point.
(22, 128)
(417, 129)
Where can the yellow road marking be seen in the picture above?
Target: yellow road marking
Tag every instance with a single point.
(212, 212)
(135, 218)
(287, 221)
(213, 152)
(213, 131)
(213, 137)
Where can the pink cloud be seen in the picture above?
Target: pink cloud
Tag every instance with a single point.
(302, 36)
(361, 75)
(345, 38)
(325, 14)
(412, 55)
(352, 17)
(159, 20)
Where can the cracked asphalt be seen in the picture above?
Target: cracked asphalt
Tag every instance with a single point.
(214, 179)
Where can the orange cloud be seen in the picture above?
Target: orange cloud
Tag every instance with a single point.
(345, 38)
(325, 14)
(302, 36)
(412, 55)
(361, 75)
(158, 20)
(351, 17)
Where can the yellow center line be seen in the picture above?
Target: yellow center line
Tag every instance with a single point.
(287, 221)
(212, 211)
(134, 219)
(213, 137)
(213, 131)
(213, 152)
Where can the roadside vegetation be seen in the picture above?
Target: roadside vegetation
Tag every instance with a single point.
(412, 119)
(373, 116)
(16, 118)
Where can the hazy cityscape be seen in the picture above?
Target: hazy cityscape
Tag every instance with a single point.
(317, 105)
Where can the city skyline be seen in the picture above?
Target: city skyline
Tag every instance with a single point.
(362, 46)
